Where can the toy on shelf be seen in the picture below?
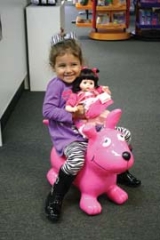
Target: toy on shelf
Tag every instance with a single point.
(109, 20)
(107, 155)
(147, 24)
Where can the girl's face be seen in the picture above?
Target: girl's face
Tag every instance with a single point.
(86, 85)
(67, 67)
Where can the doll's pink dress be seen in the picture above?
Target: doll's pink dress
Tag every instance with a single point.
(94, 99)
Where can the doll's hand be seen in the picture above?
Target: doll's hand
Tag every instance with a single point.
(106, 89)
(71, 109)
(75, 109)
(80, 113)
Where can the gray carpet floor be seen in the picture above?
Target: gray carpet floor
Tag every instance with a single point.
(131, 69)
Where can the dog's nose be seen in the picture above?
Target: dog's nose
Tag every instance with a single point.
(126, 156)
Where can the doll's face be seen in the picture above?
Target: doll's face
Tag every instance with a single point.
(87, 85)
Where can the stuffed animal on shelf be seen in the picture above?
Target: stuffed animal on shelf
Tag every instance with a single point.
(107, 155)
(79, 19)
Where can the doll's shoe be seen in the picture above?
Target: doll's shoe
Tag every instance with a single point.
(128, 179)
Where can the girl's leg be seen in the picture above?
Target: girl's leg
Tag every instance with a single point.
(126, 133)
(127, 178)
(74, 153)
(80, 130)
(75, 157)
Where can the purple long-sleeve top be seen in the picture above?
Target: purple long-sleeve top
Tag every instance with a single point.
(61, 127)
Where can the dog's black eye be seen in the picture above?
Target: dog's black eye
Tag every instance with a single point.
(106, 142)
(120, 137)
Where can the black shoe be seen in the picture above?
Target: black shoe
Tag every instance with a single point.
(128, 179)
(54, 199)
(53, 207)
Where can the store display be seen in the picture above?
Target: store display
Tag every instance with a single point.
(147, 19)
(36, 2)
(110, 19)
(44, 2)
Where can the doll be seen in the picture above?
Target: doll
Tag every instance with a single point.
(87, 92)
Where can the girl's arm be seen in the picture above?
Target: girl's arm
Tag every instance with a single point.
(53, 107)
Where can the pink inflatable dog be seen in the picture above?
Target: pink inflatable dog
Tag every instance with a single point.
(107, 155)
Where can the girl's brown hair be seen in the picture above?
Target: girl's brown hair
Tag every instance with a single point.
(63, 47)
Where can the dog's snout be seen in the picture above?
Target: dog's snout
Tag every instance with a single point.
(126, 156)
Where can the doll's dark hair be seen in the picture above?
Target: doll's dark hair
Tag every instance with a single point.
(86, 73)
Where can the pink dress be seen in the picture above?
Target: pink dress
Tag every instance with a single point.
(95, 99)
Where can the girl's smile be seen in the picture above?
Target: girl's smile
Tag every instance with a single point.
(67, 67)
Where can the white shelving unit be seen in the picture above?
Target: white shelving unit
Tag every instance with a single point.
(42, 23)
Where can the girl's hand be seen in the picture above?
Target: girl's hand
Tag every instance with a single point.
(106, 89)
(80, 113)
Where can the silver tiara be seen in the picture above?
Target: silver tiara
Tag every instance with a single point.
(61, 37)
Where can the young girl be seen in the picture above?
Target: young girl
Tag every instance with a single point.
(87, 92)
(66, 60)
